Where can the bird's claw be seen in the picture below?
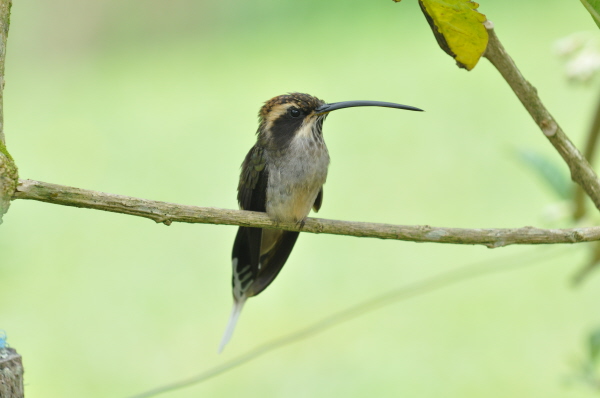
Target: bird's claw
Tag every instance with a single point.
(301, 223)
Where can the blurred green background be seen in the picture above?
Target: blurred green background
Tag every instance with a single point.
(159, 99)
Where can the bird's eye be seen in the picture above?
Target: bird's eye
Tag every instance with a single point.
(294, 112)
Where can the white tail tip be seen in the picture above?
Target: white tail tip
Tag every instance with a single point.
(233, 318)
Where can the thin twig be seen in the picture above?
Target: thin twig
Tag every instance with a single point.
(591, 265)
(164, 212)
(508, 263)
(581, 171)
(589, 153)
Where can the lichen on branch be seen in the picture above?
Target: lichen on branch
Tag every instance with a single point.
(8, 179)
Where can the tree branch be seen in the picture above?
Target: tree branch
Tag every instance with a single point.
(5, 6)
(8, 169)
(581, 171)
(166, 213)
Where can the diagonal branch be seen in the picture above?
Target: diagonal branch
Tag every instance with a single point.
(164, 212)
(581, 171)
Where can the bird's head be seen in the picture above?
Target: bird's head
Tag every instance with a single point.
(285, 117)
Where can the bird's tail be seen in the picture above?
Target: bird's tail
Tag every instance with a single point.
(233, 318)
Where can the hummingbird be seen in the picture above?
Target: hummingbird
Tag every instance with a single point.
(283, 176)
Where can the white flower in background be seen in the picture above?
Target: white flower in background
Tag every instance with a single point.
(581, 51)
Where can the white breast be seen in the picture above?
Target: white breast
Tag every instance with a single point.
(296, 176)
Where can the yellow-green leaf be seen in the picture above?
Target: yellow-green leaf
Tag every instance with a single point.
(458, 29)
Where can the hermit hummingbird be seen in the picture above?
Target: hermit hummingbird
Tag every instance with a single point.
(282, 175)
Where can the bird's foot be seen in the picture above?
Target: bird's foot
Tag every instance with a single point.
(301, 223)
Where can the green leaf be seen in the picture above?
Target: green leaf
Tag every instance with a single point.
(458, 28)
(593, 7)
(594, 346)
(552, 173)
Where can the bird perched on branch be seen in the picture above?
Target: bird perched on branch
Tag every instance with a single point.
(282, 175)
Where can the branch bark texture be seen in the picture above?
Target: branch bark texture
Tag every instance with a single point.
(581, 171)
(8, 169)
(166, 213)
(5, 6)
(11, 374)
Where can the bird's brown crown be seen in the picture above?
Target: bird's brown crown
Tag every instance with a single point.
(305, 102)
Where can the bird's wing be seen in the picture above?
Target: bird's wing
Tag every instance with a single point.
(258, 255)
(252, 189)
(252, 195)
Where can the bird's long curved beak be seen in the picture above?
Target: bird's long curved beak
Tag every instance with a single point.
(350, 104)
